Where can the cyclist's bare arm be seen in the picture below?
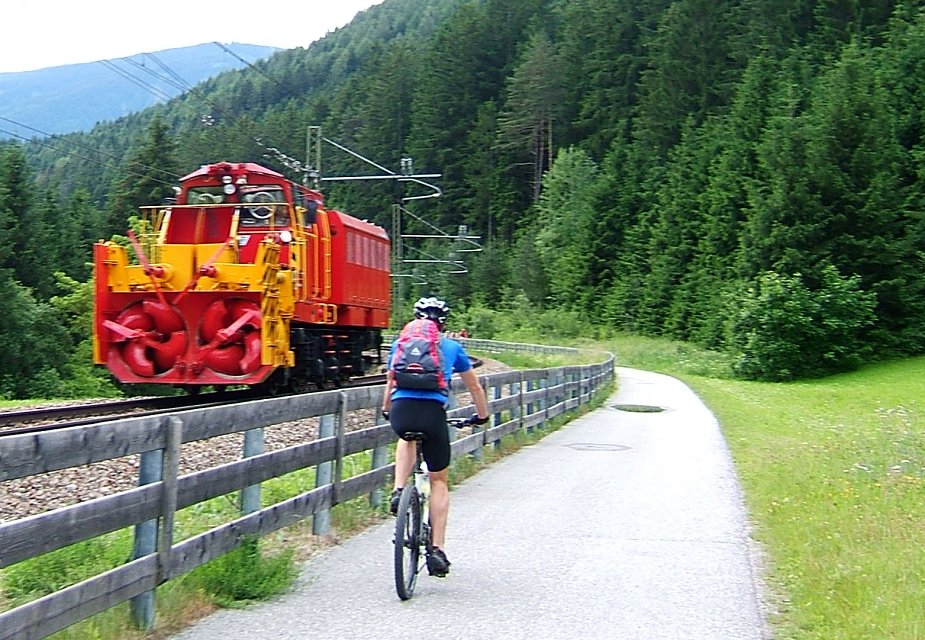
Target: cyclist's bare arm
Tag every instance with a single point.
(476, 391)
(387, 396)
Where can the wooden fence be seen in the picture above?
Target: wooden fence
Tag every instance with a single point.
(518, 400)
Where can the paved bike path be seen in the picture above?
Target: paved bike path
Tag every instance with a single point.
(621, 525)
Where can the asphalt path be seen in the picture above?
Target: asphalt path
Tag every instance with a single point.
(623, 524)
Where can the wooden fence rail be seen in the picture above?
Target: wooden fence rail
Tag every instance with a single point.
(518, 400)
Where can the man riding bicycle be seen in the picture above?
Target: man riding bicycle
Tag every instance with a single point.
(425, 411)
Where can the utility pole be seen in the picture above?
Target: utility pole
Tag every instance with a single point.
(406, 174)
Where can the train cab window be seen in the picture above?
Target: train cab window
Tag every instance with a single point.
(309, 207)
(264, 205)
(205, 195)
(297, 198)
(311, 212)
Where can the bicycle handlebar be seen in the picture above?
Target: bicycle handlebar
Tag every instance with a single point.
(465, 422)
(455, 422)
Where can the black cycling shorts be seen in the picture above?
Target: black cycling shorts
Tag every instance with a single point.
(427, 416)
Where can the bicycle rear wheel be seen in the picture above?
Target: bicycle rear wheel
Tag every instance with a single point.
(407, 542)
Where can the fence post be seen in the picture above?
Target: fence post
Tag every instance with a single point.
(451, 403)
(550, 384)
(517, 388)
(530, 407)
(479, 453)
(321, 521)
(380, 459)
(498, 416)
(150, 469)
(249, 498)
(171, 472)
(526, 407)
(341, 435)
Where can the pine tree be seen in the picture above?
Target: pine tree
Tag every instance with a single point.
(565, 213)
(625, 196)
(150, 175)
(531, 109)
(15, 202)
(677, 225)
(689, 72)
(602, 54)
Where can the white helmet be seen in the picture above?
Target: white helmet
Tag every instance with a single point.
(432, 309)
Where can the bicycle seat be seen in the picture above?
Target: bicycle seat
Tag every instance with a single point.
(414, 435)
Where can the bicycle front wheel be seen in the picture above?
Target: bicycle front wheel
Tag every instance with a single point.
(407, 542)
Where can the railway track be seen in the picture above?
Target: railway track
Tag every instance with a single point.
(35, 419)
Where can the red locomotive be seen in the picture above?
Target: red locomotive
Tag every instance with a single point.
(247, 280)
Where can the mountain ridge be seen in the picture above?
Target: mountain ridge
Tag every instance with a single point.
(76, 97)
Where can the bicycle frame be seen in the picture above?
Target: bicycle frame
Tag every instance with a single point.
(412, 529)
(412, 525)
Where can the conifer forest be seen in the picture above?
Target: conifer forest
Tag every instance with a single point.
(745, 175)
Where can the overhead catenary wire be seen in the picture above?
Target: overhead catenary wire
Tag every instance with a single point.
(180, 83)
(115, 159)
(172, 78)
(156, 92)
(251, 66)
(127, 75)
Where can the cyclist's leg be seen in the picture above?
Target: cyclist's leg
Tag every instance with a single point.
(437, 562)
(405, 453)
(404, 418)
(439, 506)
(436, 451)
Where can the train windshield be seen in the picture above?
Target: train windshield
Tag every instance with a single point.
(264, 206)
(205, 195)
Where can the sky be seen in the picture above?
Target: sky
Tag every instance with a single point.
(35, 34)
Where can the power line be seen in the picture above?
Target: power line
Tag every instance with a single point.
(155, 91)
(128, 75)
(180, 86)
(174, 80)
(54, 136)
(71, 154)
(173, 74)
(255, 68)
(178, 82)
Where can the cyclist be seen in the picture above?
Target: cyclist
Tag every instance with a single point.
(425, 411)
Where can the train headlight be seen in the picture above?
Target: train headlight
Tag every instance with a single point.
(229, 189)
(285, 236)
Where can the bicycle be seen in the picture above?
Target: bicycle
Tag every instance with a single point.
(412, 524)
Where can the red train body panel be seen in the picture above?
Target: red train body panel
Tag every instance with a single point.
(247, 279)
(359, 270)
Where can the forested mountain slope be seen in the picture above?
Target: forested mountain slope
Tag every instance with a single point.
(744, 174)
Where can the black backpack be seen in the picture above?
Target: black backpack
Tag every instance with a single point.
(418, 359)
